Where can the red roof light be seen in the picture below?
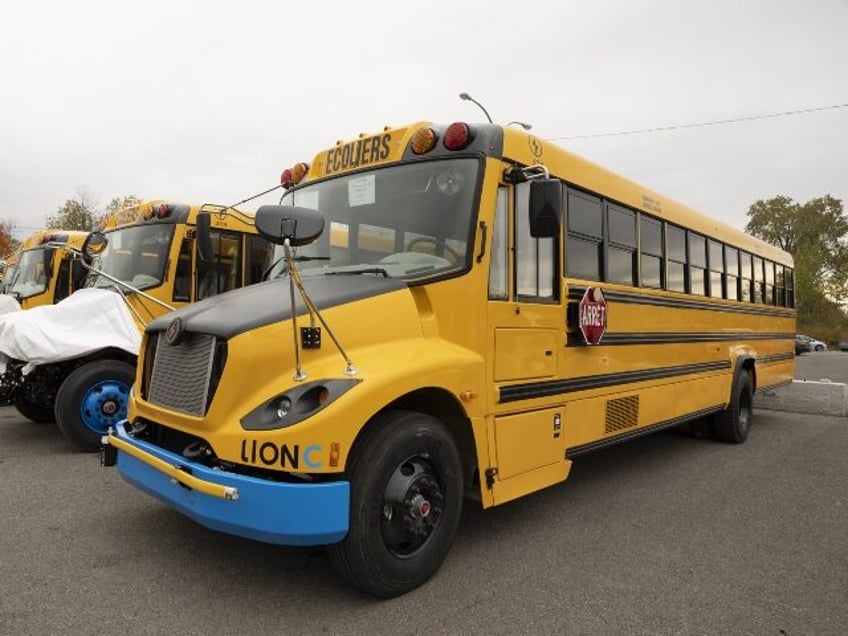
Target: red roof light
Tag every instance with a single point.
(458, 136)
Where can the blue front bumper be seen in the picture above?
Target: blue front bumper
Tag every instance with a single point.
(274, 512)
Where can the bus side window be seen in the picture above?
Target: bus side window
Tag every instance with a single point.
(585, 236)
(500, 244)
(535, 258)
(676, 241)
(182, 277)
(621, 248)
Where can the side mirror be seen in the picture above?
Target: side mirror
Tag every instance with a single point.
(93, 246)
(300, 226)
(545, 208)
(204, 237)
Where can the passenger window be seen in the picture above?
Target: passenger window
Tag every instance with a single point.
(585, 236)
(182, 278)
(676, 245)
(697, 264)
(731, 263)
(223, 273)
(716, 269)
(621, 253)
(650, 242)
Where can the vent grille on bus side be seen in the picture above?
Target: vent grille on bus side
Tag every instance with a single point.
(622, 413)
(180, 379)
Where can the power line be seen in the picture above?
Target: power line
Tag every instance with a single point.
(705, 123)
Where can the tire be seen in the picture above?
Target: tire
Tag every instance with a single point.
(39, 413)
(405, 504)
(91, 399)
(819, 348)
(734, 423)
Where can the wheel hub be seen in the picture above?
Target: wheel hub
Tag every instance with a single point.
(104, 405)
(412, 507)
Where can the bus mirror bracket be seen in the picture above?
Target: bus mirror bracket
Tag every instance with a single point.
(545, 209)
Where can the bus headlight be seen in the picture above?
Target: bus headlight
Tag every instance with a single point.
(296, 404)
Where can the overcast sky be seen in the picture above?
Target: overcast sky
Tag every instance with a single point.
(209, 101)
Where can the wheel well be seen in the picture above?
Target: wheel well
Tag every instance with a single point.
(443, 406)
(749, 366)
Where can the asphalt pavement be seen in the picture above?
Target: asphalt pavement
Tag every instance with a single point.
(667, 534)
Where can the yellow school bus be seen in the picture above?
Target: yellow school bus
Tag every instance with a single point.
(43, 272)
(459, 312)
(152, 257)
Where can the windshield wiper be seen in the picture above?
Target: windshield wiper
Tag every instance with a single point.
(366, 270)
(297, 259)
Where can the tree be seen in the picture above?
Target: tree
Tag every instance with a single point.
(816, 234)
(8, 243)
(75, 214)
(117, 203)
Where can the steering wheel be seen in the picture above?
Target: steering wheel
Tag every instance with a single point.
(449, 251)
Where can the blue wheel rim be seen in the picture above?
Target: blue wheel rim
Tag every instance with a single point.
(104, 405)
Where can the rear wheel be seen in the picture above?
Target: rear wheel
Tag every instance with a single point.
(39, 413)
(92, 399)
(733, 424)
(405, 504)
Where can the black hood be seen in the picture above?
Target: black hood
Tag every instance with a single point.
(263, 304)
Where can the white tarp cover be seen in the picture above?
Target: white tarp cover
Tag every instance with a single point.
(86, 321)
(8, 304)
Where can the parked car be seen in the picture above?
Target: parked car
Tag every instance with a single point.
(843, 345)
(817, 345)
(802, 344)
(814, 345)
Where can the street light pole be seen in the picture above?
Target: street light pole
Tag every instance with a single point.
(466, 97)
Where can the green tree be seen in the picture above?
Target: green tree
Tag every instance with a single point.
(75, 214)
(117, 203)
(816, 234)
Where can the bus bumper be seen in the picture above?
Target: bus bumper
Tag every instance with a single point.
(273, 512)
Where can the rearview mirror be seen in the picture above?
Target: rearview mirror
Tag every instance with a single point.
(300, 226)
(93, 246)
(545, 208)
(204, 237)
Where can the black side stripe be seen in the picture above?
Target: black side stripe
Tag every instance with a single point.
(775, 357)
(631, 298)
(575, 339)
(576, 451)
(530, 390)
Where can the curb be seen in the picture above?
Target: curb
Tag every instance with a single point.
(802, 396)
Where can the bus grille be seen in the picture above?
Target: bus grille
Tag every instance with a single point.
(182, 374)
(622, 413)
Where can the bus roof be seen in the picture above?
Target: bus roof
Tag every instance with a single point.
(518, 146)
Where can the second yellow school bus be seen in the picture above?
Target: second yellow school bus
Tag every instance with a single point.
(460, 311)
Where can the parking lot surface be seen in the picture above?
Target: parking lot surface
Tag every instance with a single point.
(667, 534)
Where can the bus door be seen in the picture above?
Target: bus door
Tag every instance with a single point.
(231, 264)
(526, 316)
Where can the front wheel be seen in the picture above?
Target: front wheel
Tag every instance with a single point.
(92, 399)
(734, 423)
(405, 504)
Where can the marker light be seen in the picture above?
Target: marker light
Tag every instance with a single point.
(164, 211)
(286, 179)
(458, 136)
(423, 140)
(149, 212)
(299, 171)
(294, 175)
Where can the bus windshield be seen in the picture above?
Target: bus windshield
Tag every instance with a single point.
(405, 221)
(32, 273)
(134, 255)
